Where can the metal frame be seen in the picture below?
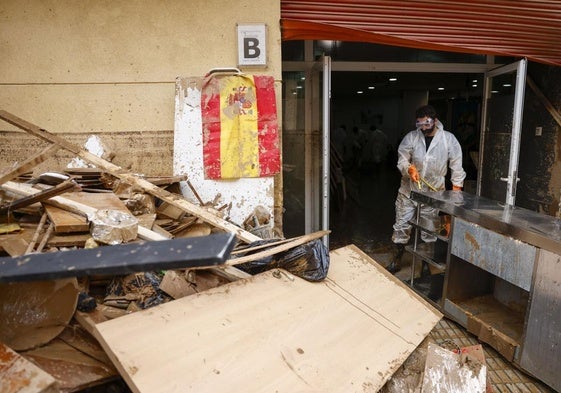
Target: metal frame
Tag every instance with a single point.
(512, 175)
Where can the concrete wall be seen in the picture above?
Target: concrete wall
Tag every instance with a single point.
(108, 68)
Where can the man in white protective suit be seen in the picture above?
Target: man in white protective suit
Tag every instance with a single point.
(424, 156)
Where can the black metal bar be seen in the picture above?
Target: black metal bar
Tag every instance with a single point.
(120, 259)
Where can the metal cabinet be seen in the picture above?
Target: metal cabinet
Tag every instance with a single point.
(502, 278)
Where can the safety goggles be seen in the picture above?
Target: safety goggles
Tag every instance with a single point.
(425, 123)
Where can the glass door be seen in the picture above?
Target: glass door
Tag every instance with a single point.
(501, 123)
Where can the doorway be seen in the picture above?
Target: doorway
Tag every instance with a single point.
(365, 94)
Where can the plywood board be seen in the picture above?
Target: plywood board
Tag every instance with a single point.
(274, 332)
(66, 222)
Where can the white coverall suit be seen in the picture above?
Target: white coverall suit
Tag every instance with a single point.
(432, 165)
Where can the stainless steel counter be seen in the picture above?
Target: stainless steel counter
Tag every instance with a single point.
(537, 229)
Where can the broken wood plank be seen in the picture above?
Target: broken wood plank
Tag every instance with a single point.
(120, 259)
(270, 333)
(29, 164)
(275, 250)
(18, 375)
(116, 171)
(37, 233)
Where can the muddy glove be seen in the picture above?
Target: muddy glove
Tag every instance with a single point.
(413, 173)
(456, 188)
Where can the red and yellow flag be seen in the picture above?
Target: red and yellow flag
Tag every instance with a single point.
(240, 128)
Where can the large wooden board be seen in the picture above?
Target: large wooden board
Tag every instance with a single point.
(66, 222)
(275, 333)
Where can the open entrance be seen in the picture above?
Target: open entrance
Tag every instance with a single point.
(365, 96)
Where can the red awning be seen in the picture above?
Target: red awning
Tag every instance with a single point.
(519, 28)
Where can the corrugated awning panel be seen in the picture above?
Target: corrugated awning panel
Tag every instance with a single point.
(524, 28)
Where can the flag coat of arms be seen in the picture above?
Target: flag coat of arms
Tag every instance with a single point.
(240, 127)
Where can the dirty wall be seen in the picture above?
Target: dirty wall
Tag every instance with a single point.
(109, 69)
(540, 159)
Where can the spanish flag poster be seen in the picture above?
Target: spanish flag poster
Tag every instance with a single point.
(240, 127)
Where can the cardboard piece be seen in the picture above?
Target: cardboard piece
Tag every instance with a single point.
(275, 332)
(450, 372)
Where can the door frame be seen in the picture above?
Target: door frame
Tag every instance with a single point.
(518, 107)
(314, 209)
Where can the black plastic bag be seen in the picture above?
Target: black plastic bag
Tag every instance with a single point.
(309, 261)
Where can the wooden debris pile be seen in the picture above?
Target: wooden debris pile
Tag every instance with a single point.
(48, 323)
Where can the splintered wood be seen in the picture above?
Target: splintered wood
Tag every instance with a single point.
(275, 332)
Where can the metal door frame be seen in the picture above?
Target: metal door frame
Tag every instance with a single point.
(512, 176)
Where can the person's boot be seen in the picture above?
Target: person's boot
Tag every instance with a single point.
(395, 264)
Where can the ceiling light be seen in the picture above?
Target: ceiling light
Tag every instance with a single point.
(359, 92)
(494, 91)
(441, 88)
(371, 87)
(303, 78)
(392, 79)
(299, 87)
(507, 85)
(474, 81)
(474, 85)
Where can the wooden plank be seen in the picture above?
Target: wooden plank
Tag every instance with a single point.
(29, 164)
(14, 247)
(67, 222)
(40, 196)
(171, 198)
(72, 240)
(275, 333)
(76, 207)
(119, 259)
(19, 375)
(280, 248)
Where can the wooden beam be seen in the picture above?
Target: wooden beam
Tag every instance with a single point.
(29, 164)
(544, 100)
(173, 199)
(275, 250)
(73, 206)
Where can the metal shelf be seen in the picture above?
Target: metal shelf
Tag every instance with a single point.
(423, 229)
(426, 252)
